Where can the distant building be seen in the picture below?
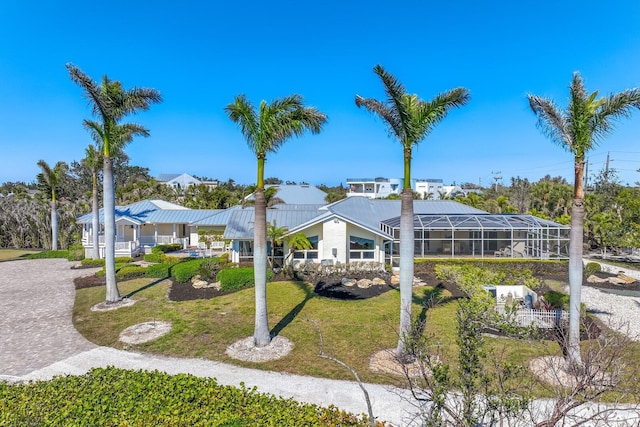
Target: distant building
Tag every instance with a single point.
(183, 181)
(429, 189)
(373, 188)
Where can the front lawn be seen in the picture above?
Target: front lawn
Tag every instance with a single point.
(352, 330)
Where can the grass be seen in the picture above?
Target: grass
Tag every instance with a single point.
(13, 254)
(352, 330)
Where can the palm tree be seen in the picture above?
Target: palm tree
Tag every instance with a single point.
(276, 236)
(50, 180)
(92, 161)
(409, 120)
(578, 129)
(111, 103)
(265, 131)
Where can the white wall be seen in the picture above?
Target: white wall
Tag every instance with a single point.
(334, 232)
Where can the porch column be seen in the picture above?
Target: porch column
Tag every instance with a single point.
(155, 234)
(174, 233)
(135, 233)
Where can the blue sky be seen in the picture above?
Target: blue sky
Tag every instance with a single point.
(201, 54)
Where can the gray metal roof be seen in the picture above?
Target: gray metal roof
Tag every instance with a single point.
(153, 212)
(240, 225)
(219, 218)
(301, 194)
(165, 177)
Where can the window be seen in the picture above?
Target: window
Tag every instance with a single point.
(310, 253)
(361, 248)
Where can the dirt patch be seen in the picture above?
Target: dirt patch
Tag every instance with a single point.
(89, 281)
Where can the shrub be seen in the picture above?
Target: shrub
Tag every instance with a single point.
(76, 252)
(173, 260)
(209, 268)
(89, 262)
(184, 271)
(591, 267)
(166, 248)
(113, 396)
(157, 257)
(123, 259)
(556, 300)
(49, 254)
(158, 270)
(237, 278)
(130, 272)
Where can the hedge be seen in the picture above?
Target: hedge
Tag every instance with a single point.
(154, 257)
(117, 397)
(237, 278)
(131, 272)
(166, 248)
(159, 271)
(49, 254)
(184, 271)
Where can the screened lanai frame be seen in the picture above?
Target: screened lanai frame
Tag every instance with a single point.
(481, 236)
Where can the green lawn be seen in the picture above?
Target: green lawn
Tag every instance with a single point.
(352, 330)
(12, 254)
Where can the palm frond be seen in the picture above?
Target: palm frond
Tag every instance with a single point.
(552, 122)
(92, 90)
(385, 112)
(242, 112)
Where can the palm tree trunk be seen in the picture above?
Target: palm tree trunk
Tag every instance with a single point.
(575, 267)
(95, 218)
(54, 225)
(113, 295)
(261, 335)
(406, 270)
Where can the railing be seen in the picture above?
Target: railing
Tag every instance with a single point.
(540, 318)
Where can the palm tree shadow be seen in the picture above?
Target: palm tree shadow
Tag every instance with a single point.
(428, 300)
(288, 318)
(147, 286)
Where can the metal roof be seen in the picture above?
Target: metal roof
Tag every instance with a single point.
(301, 194)
(477, 222)
(153, 212)
(240, 225)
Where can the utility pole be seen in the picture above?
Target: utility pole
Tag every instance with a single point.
(496, 177)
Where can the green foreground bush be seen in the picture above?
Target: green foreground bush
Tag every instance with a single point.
(116, 397)
(237, 278)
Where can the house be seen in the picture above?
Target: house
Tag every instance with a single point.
(183, 181)
(145, 224)
(373, 188)
(355, 229)
(429, 189)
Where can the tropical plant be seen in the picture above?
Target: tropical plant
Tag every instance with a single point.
(409, 120)
(578, 129)
(265, 131)
(93, 161)
(275, 235)
(49, 181)
(110, 102)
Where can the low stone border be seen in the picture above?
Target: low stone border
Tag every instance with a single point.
(246, 350)
(144, 332)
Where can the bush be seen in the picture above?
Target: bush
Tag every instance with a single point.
(157, 257)
(210, 267)
(49, 254)
(166, 248)
(130, 272)
(557, 300)
(184, 271)
(173, 260)
(76, 252)
(123, 259)
(89, 262)
(237, 278)
(158, 270)
(591, 267)
(113, 396)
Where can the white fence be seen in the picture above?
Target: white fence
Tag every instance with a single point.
(541, 318)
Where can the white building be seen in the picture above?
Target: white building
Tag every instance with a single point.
(373, 188)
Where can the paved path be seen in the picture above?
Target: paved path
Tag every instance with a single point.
(38, 341)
